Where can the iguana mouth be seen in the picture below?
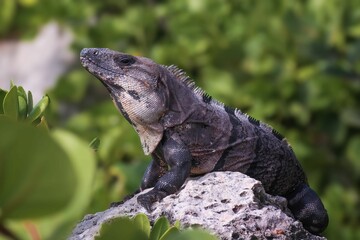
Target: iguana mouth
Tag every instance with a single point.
(112, 87)
(88, 62)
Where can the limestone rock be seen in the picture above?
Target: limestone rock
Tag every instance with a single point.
(230, 205)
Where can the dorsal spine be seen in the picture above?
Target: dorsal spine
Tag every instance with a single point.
(181, 75)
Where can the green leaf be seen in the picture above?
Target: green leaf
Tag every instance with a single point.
(59, 226)
(30, 102)
(83, 160)
(36, 175)
(170, 233)
(160, 227)
(95, 143)
(21, 92)
(39, 109)
(22, 107)
(177, 224)
(121, 228)
(22, 98)
(2, 96)
(189, 234)
(11, 103)
(142, 221)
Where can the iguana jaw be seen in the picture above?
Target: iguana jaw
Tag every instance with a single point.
(133, 86)
(106, 75)
(119, 71)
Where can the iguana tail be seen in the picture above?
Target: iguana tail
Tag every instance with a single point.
(307, 207)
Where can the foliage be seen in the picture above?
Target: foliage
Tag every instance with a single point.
(27, 174)
(41, 172)
(292, 64)
(139, 228)
(16, 104)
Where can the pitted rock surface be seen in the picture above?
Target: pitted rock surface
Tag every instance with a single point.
(230, 205)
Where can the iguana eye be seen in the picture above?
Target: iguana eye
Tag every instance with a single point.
(124, 60)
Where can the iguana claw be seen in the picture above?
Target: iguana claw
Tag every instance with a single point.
(146, 200)
(146, 203)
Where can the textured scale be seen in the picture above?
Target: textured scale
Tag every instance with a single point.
(189, 133)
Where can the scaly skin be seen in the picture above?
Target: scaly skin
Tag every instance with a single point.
(188, 134)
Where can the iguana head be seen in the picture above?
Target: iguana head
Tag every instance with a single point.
(136, 87)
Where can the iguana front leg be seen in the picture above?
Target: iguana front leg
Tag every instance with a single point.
(178, 157)
(156, 169)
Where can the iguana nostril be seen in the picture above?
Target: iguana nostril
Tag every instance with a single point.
(96, 52)
(83, 52)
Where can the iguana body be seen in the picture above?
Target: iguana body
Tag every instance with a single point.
(188, 134)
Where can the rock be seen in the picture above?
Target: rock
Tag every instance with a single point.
(230, 205)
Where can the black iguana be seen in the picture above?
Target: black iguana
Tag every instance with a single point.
(188, 133)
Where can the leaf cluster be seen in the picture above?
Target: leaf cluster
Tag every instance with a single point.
(139, 228)
(18, 105)
(44, 174)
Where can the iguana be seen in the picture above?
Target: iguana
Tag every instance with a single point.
(188, 133)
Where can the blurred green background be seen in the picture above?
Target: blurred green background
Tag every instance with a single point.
(292, 64)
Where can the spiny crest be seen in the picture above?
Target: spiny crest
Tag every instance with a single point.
(183, 77)
(254, 121)
(267, 128)
(277, 134)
